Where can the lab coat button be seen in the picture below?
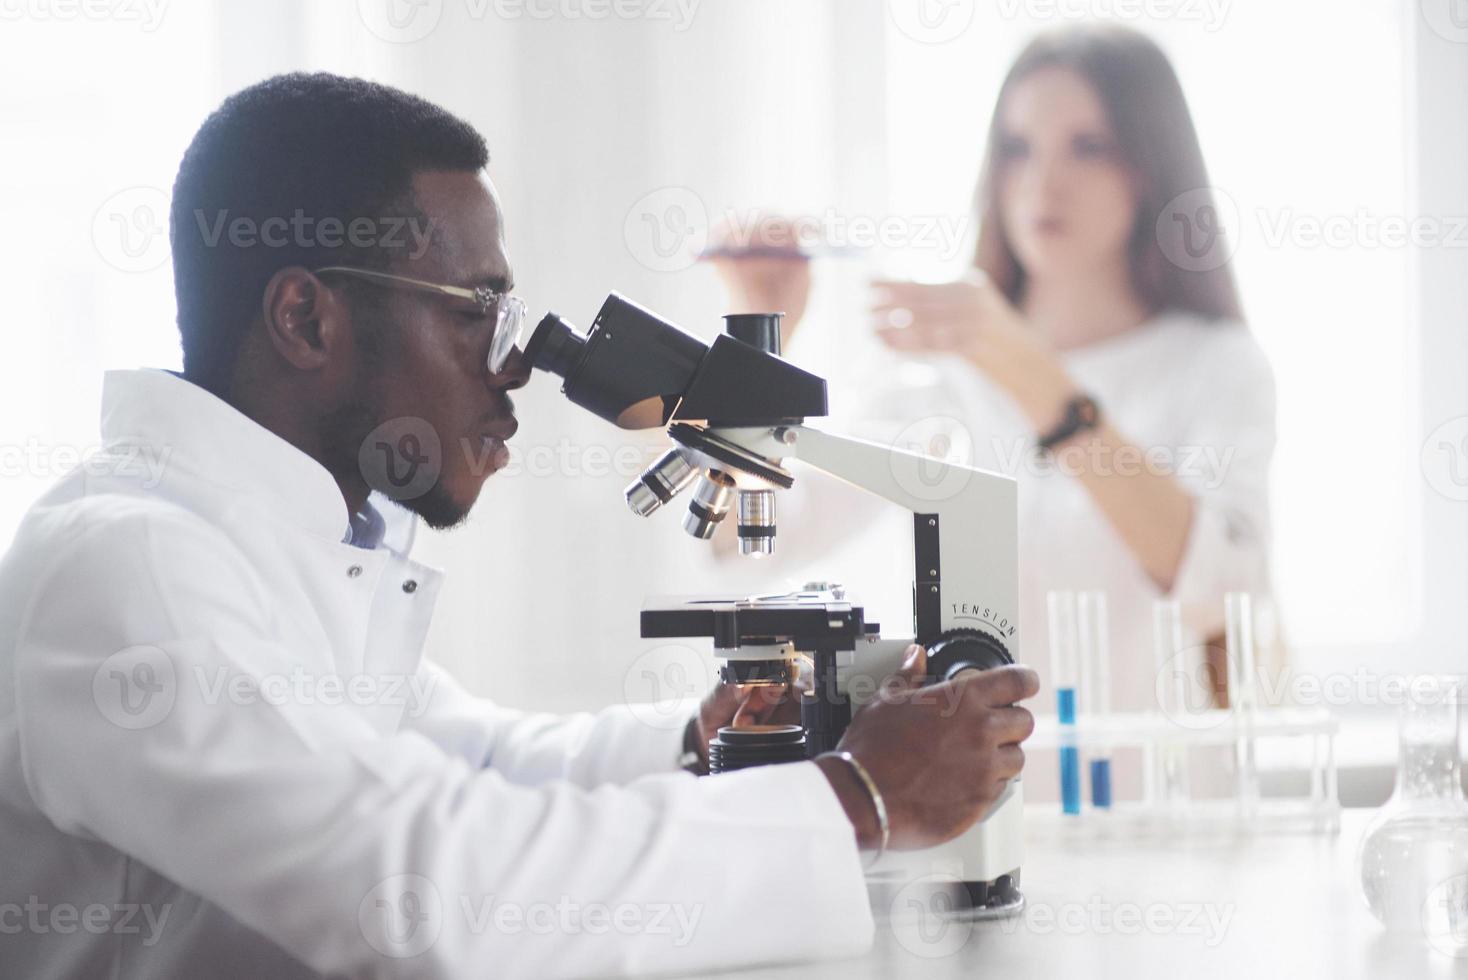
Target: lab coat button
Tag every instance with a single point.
(354, 571)
(410, 586)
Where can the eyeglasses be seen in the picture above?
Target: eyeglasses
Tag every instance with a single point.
(509, 310)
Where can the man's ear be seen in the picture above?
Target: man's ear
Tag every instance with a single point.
(305, 322)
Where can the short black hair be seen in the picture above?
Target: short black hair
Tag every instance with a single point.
(318, 150)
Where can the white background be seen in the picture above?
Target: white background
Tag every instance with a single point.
(603, 126)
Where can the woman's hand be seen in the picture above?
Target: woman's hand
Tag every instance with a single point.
(971, 318)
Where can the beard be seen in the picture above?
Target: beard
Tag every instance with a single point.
(400, 457)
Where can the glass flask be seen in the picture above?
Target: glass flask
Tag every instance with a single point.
(1413, 857)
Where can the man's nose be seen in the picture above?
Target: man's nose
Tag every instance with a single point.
(514, 374)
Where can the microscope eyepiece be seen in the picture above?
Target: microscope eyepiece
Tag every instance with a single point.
(555, 346)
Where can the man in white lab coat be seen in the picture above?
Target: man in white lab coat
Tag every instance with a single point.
(221, 753)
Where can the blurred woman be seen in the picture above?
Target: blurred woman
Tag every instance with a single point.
(1096, 352)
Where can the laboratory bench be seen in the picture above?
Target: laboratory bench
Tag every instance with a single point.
(1232, 906)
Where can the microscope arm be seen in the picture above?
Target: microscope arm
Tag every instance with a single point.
(965, 538)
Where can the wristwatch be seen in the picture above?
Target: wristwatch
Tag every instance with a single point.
(690, 760)
(1082, 414)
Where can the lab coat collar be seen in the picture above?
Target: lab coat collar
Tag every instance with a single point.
(196, 430)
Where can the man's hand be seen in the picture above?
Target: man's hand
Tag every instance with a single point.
(940, 755)
(742, 705)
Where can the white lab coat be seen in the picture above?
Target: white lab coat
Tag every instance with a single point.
(222, 755)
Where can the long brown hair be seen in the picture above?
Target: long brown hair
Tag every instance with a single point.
(1151, 124)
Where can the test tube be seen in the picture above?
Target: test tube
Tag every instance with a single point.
(1095, 657)
(1065, 668)
(1173, 677)
(1239, 636)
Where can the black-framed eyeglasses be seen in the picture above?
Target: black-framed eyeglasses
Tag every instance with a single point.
(509, 310)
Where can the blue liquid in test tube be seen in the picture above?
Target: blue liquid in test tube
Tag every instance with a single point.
(1095, 657)
(1070, 756)
(1065, 668)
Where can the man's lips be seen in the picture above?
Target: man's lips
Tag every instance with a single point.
(493, 438)
(502, 428)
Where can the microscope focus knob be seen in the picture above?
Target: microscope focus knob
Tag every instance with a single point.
(964, 649)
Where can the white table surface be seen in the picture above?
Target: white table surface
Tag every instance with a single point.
(1249, 907)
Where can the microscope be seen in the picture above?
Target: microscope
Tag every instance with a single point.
(735, 412)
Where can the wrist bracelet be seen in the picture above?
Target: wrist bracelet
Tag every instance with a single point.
(878, 803)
